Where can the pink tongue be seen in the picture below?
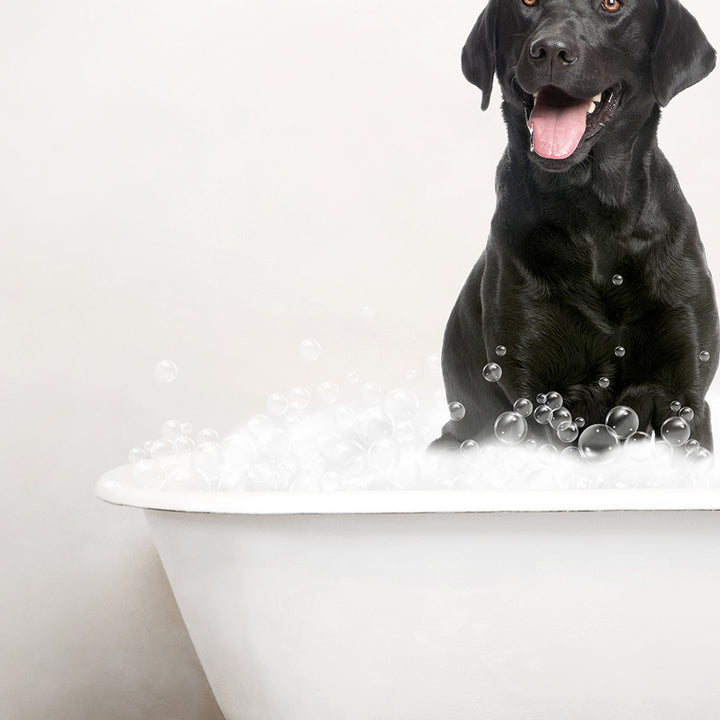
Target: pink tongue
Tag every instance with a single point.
(557, 123)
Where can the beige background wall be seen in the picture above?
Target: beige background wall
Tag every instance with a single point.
(211, 182)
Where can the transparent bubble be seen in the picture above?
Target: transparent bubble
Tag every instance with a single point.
(171, 430)
(501, 351)
(554, 400)
(147, 445)
(568, 432)
(675, 431)
(350, 455)
(541, 399)
(702, 461)
(434, 365)
(309, 350)
(456, 410)
(469, 448)
(559, 416)
(186, 428)
(277, 404)
(543, 414)
(598, 444)
(274, 445)
(639, 444)
(401, 405)
(511, 428)
(161, 448)
(345, 418)
(136, 454)
(571, 453)
(617, 280)
(492, 372)
(166, 371)
(149, 474)
(328, 392)
(580, 422)
(623, 421)
(704, 356)
(373, 424)
(383, 455)
(604, 382)
(299, 398)
(548, 454)
(184, 444)
(687, 414)
(372, 393)
(187, 479)
(691, 447)
(207, 436)
(524, 407)
(675, 406)
(531, 444)
(353, 377)
(619, 351)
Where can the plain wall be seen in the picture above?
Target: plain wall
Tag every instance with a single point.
(212, 182)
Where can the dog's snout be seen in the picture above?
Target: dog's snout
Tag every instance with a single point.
(554, 50)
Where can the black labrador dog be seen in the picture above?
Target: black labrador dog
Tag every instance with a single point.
(594, 281)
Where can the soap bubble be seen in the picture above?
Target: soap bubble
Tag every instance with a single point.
(469, 448)
(511, 428)
(349, 455)
(704, 356)
(580, 422)
(554, 400)
(617, 280)
(186, 428)
(675, 406)
(149, 474)
(383, 455)
(309, 350)
(604, 383)
(277, 404)
(691, 447)
(619, 351)
(568, 432)
(184, 444)
(161, 448)
(166, 371)
(401, 405)
(501, 351)
(524, 407)
(598, 444)
(492, 372)
(541, 399)
(208, 436)
(457, 410)
(373, 424)
(687, 414)
(675, 431)
(571, 453)
(371, 393)
(622, 421)
(543, 414)
(171, 430)
(559, 416)
(548, 454)
(299, 398)
(328, 392)
(136, 454)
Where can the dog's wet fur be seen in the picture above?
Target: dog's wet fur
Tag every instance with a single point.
(564, 227)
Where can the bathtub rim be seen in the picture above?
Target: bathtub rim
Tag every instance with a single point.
(117, 487)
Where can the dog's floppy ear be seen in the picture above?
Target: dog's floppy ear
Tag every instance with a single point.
(478, 54)
(682, 54)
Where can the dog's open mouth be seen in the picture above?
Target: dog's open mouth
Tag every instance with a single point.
(558, 122)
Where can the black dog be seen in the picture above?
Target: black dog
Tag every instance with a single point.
(594, 278)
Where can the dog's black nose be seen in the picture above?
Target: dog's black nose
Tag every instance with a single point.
(551, 48)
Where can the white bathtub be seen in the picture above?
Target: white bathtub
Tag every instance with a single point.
(537, 605)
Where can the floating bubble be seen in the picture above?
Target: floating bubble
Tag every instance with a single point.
(309, 350)
(383, 455)
(675, 431)
(554, 400)
(277, 404)
(691, 447)
(136, 454)
(299, 398)
(704, 356)
(184, 444)
(492, 372)
(687, 414)
(541, 399)
(531, 444)
(171, 430)
(580, 422)
(401, 405)
(571, 453)
(371, 393)
(469, 448)
(524, 407)
(568, 432)
(623, 421)
(675, 406)
(543, 414)
(511, 428)
(166, 371)
(501, 351)
(604, 383)
(548, 454)
(328, 392)
(618, 280)
(456, 410)
(559, 416)
(619, 351)
(598, 444)
(161, 448)
(207, 436)
(149, 474)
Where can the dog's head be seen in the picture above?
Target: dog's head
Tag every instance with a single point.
(574, 71)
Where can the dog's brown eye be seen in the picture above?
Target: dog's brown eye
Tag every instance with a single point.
(531, 3)
(612, 6)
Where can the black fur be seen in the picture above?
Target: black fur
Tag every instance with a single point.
(563, 228)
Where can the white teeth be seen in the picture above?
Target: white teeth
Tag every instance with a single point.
(535, 95)
(598, 98)
(592, 107)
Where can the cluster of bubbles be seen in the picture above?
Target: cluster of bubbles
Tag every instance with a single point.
(320, 440)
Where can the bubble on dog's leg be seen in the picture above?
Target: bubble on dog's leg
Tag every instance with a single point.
(571, 453)
(559, 416)
(511, 428)
(277, 404)
(524, 407)
(675, 432)
(704, 356)
(554, 400)
(309, 350)
(328, 392)
(580, 422)
(541, 398)
(568, 432)
(692, 447)
(598, 444)
(618, 280)
(675, 406)
(604, 383)
(166, 371)
(620, 351)
(638, 446)
(469, 449)
(492, 372)
(401, 405)
(456, 410)
(501, 351)
(623, 421)
(543, 414)
(687, 414)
